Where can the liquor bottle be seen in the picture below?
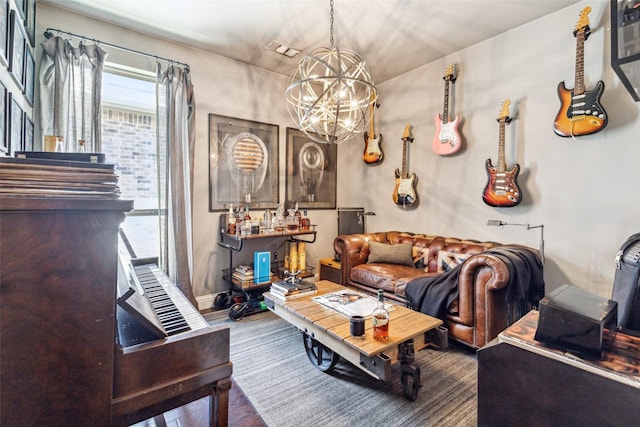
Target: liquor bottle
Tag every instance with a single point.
(298, 215)
(305, 222)
(231, 221)
(380, 318)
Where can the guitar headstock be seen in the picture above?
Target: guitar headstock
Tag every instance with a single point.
(450, 73)
(406, 135)
(503, 115)
(583, 23)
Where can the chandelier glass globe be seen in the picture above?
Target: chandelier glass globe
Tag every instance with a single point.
(329, 94)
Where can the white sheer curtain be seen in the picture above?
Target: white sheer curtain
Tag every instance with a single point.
(176, 141)
(70, 92)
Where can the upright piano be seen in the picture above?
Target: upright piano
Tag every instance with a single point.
(67, 356)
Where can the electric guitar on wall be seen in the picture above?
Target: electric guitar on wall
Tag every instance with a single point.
(580, 110)
(372, 152)
(447, 138)
(502, 189)
(404, 194)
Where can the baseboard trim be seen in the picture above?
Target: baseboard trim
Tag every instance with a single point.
(205, 302)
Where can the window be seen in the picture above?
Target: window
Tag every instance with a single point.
(129, 142)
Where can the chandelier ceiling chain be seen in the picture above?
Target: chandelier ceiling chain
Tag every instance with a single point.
(331, 19)
(329, 94)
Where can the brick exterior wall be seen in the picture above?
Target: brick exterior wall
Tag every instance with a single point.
(129, 142)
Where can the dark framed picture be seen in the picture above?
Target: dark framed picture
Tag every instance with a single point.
(4, 31)
(27, 140)
(311, 172)
(16, 56)
(29, 75)
(30, 21)
(15, 134)
(4, 140)
(243, 163)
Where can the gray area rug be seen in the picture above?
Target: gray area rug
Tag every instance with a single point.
(272, 368)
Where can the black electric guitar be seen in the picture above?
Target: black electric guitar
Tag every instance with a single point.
(372, 152)
(580, 110)
(404, 194)
(502, 188)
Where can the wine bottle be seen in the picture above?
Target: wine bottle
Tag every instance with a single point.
(380, 318)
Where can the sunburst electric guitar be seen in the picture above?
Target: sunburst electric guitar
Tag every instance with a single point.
(372, 151)
(502, 188)
(447, 139)
(580, 110)
(404, 194)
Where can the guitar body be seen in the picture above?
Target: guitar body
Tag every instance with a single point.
(404, 193)
(447, 139)
(372, 152)
(580, 115)
(502, 189)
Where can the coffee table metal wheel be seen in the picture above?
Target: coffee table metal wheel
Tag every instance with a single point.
(320, 356)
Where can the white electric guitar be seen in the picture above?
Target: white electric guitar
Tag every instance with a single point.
(447, 139)
(404, 193)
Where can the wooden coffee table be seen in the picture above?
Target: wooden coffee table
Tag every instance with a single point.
(326, 337)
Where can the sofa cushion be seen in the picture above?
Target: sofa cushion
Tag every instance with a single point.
(390, 277)
(449, 260)
(390, 254)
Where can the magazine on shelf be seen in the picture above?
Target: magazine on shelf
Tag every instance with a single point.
(350, 302)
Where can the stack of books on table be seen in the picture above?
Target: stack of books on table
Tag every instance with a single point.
(287, 290)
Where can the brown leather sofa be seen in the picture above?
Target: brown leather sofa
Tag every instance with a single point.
(480, 312)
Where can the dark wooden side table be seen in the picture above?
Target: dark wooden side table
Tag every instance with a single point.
(330, 270)
(524, 382)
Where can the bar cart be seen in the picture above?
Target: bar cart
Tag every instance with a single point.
(245, 297)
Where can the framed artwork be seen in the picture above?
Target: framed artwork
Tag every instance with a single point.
(29, 75)
(311, 172)
(27, 144)
(4, 31)
(4, 140)
(243, 163)
(30, 21)
(16, 56)
(15, 134)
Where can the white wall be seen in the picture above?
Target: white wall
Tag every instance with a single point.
(582, 191)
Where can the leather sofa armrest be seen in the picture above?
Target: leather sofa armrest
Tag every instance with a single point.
(352, 250)
(481, 304)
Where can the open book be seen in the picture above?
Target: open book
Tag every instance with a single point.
(350, 302)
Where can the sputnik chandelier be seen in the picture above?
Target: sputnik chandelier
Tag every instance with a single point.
(329, 94)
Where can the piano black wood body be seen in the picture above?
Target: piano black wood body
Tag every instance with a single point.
(59, 360)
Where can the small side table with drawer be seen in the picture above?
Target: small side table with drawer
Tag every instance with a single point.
(330, 270)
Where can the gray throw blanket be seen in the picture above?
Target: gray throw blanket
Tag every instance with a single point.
(433, 295)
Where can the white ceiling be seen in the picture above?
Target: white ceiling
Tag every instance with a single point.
(393, 36)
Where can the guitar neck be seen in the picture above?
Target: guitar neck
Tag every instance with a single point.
(445, 109)
(405, 172)
(406, 137)
(579, 77)
(502, 165)
(371, 127)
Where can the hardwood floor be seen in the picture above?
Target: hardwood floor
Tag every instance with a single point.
(195, 414)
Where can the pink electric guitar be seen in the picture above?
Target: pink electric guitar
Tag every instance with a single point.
(447, 139)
